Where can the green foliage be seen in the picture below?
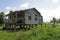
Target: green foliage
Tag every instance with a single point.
(1, 17)
(46, 32)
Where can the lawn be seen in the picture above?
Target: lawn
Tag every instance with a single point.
(46, 32)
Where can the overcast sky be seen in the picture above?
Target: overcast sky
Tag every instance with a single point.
(47, 8)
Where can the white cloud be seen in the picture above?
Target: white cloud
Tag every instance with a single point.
(55, 1)
(7, 7)
(24, 5)
(7, 12)
(11, 8)
(49, 13)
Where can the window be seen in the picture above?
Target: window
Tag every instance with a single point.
(35, 15)
(35, 18)
(29, 17)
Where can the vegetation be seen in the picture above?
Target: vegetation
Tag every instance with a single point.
(55, 20)
(1, 17)
(46, 32)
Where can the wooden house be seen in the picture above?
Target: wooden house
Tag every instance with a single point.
(27, 16)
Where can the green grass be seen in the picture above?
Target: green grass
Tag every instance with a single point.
(46, 32)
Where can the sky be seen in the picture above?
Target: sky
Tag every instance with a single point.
(47, 8)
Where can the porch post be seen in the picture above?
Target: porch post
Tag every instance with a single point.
(16, 18)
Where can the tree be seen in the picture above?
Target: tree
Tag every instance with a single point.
(1, 17)
(58, 20)
(54, 22)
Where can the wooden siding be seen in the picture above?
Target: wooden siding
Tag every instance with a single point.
(31, 13)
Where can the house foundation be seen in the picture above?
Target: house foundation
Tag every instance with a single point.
(19, 27)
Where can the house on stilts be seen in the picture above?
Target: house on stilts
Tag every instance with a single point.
(27, 17)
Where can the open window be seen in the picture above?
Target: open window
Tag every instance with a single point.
(29, 17)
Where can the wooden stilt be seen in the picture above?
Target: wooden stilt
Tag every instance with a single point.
(21, 27)
(28, 27)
